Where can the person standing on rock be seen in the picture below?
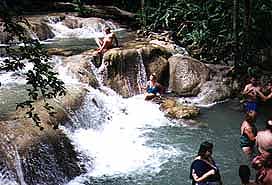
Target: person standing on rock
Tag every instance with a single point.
(107, 42)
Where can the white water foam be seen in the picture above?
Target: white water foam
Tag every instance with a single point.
(63, 72)
(12, 77)
(198, 101)
(89, 28)
(141, 76)
(120, 147)
(18, 77)
(4, 180)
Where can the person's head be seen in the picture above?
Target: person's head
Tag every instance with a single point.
(107, 30)
(205, 149)
(269, 85)
(244, 173)
(253, 81)
(269, 124)
(153, 77)
(250, 116)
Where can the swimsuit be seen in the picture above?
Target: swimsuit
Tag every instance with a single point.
(201, 167)
(251, 106)
(152, 89)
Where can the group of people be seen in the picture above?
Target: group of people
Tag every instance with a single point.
(204, 170)
(257, 145)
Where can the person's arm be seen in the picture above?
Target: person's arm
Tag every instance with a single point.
(145, 86)
(204, 176)
(263, 97)
(245, 91)
(268, 96)
(102, 47)
(248, 131)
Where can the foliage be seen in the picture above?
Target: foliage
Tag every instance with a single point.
(205, 27)
(81, 9)
(42, 81)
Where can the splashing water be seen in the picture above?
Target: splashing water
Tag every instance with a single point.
(119, 144)
(141, 76)
(87, 28)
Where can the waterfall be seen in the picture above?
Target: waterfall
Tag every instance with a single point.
(141, 75)
(113, 132)
(18, 167)
(8, 177)
(118, 143)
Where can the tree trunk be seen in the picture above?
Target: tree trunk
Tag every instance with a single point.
(235, 31)
(247, 24)
(143, 12)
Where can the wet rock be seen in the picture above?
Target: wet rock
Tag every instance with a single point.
(175, 110)
(60, 52)
(187, 75)
(43, 157)
(42, 30)
(171, 47)
(208, 82)
(81, 67)
(125, 67)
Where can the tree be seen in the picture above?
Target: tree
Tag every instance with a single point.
(235, 31)
(42, 82)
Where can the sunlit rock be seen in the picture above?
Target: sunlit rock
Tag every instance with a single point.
(175, 110)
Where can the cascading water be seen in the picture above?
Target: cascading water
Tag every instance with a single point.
(141, 75)
(118, 141)
(113, 133)
(83, 27)
(18, 168)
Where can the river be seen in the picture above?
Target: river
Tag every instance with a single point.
(130, 141)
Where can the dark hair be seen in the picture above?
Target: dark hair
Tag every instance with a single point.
(250, 117)
(107, 28)
(204, 147)
(244, 173)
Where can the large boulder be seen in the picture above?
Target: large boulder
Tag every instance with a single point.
(187, 75)
(39, 27)
(209, 83)
(220, 86)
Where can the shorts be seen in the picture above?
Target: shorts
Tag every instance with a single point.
(251, 106)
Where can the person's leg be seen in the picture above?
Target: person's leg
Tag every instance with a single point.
(149, 96)
(99, 42)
